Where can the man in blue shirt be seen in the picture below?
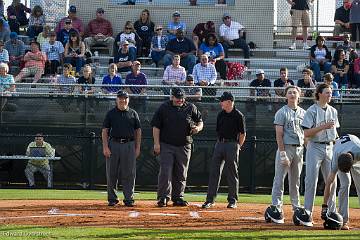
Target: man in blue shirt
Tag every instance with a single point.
(175, 25)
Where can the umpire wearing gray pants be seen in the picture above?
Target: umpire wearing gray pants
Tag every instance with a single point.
(231, 133)
(173, 124)
(122, 127)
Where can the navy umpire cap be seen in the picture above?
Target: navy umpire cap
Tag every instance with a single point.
(122, 93)
(226, 96)
(178, 93)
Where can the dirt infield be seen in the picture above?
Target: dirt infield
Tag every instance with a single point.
(147, 215)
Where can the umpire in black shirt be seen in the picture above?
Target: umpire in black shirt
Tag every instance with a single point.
(122, 127)
(173, 124)
(231, 133)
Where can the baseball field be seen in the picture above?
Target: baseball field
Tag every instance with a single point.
(80, 214)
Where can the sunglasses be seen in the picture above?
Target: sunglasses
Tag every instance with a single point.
(159, 29)
(128, 28)
(68, 23)
(100, 12)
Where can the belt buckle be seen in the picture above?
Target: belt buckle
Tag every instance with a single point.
(122, 140)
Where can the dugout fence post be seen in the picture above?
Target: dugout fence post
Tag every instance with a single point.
(252, 163)
(93, 158)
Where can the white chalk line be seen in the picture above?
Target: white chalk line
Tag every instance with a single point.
(164, 214)
(49, 216)
(252, 218)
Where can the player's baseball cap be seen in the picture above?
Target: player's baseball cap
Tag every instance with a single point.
(226, 96)
(178, 92)
(176, 14)
(72, 9)
(122, 93)
(259, 71)
(13, 35)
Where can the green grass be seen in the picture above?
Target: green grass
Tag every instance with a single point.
(92, 233)
(22, 194)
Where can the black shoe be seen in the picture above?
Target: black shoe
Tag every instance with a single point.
(232, 205)
(162, 202)
(129, 203)
(180, 203)
(113, 203)
(208, 204)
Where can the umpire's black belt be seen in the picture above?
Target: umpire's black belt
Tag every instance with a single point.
(326, 143)
(293, 145)
(121, 140)
(224, 140)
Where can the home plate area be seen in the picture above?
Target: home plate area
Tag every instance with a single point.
(146, 214)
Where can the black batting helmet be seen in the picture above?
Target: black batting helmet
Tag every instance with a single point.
(333, 221)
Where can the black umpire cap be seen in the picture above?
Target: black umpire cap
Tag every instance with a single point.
(226, 96)
(122, 93)
(178, 92)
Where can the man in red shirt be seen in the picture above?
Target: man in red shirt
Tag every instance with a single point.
(100, 31)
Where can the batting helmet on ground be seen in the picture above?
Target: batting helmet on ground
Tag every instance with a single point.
(302, 217)
(333, 221)
(274, 214)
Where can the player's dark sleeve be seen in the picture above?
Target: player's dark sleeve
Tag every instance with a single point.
(242, 123)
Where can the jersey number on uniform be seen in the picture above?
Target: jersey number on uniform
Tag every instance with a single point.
(345, 139)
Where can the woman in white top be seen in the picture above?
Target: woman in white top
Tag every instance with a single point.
(320, 58)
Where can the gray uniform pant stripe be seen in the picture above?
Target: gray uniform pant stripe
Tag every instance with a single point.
(345, 182)
(317, 155)
(225, 155)
(295, 155)
(45, 171)
(121, 162)
(174, 164)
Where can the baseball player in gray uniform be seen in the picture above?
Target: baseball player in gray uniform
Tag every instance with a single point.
(319, 124)
(289, 156)
(346, 159)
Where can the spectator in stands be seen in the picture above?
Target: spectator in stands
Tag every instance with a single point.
(16, 14)
(66, 78)
(100, 32)
(75, 52)
(355, 21)
(34, 63)
(261, 82)
(174, 25)
(35, 165)
(356, 69)
(158, 45)
(215, 52)
(329, 79)
(4, 32)
(183, 47)
(43, 37)
(300, 11)
(112, 78)
(346, 46)
(36, 22)
(7, 83)
(340, 68)
(283, 82)
(128, 35)
(231, 36)
(86, 80)
(193, 2)
(64, 35)
(221, 1)
(129, 2)
(320, 58)
(174, 74)
(136, 77)
(341, 18)
(124, 58)
(4, 55)
(306, 82)
(200, 32)
(76, 22)
(145, 29)
(204, 72)
(54, 51)
(16, 50)
(192, 93)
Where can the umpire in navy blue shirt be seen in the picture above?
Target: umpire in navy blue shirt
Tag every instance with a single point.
(231, 133)
(121, 139)
(173, 125)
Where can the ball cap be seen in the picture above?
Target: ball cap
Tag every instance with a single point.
(122, 93)
(100, 10)
(259, 71)
(72, 9)
(226, 15)
(13, 35)
(178, 93)
(176, 14)
(226, 96)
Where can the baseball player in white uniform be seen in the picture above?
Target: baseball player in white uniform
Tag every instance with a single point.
(346, 160)
(289, 156)
(319, 124)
